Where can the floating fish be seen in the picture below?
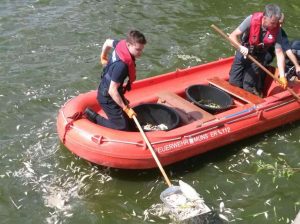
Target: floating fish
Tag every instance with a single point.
(222, 206)
(259, 152)
(188, 191)
(223, 217)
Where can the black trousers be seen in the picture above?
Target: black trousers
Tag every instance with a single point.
(246, 74)
(116, 117)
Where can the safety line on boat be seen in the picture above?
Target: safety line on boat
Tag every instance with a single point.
(89, 136)
(279, 105)
(139, 144)
(84, 133)
(219, 122)
(100, 140)
(242, 118)
(168, 140)
(201, 132)
(240, 112)
(230, 117)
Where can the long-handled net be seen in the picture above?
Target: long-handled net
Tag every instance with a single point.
(182, 206)
(182, 201)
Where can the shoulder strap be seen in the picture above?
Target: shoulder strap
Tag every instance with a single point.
(113, 60)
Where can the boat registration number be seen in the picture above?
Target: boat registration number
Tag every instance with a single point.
(193, 139)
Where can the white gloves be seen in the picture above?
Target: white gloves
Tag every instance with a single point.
(244, 51)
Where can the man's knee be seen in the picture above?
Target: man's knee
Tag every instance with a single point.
(235, 82)
(120, 123)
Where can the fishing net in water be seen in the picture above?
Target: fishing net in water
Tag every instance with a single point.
(180, 207)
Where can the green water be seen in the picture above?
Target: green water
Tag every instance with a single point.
(49, 52)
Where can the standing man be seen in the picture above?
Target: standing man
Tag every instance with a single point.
(119, 67)
(258, 33)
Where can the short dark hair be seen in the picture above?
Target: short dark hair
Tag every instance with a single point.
(135, 36)
(272, 10)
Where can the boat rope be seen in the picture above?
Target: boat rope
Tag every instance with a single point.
(95, 138)
(76, 116)
(205, 127)
(243, 112)
(243, 117)
(167, 140)
(100, 139)
(279, 105)
(201, 132)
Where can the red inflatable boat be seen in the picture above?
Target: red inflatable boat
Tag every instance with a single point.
(199, 130)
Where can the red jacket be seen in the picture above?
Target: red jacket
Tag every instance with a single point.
(255, 27)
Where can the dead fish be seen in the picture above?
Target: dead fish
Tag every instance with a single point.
(222, 206)
(223, 217)
(176, 199)
(188, 191)
(209, 103)
(151, 127)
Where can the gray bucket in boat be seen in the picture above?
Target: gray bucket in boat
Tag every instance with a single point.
(209, 98)
(157, 114)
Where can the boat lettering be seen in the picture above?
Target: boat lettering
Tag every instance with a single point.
(198, 138)
(221, 131)
(173, 145)
(193, 139)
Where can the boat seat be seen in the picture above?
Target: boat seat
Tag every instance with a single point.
(235, 91)
(187, 111)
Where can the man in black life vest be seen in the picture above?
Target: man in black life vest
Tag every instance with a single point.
(257, 33)
(119, 67)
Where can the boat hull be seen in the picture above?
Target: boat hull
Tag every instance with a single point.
(127, 150)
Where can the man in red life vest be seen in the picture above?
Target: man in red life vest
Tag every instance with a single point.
(119, 67)
(259, 32)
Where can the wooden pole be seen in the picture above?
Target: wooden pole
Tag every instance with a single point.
(237, 46)
(152, 151)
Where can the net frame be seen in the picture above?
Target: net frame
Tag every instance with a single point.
(186, 210)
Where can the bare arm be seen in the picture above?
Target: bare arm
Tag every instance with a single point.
(280, 61)
(293, 59)
(108, 44)
(113, 92)
(235, 36)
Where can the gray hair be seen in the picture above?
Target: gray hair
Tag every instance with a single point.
(272, 10)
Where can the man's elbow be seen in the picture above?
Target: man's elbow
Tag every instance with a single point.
(279, 52)
(111, 92)
(108, 43)
(232, 36)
